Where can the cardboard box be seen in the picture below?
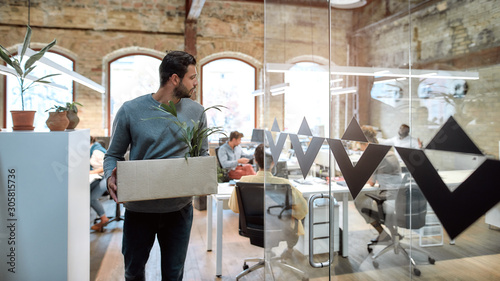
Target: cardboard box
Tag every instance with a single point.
(166, 178)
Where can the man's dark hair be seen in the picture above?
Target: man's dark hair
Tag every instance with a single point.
(235, 135)
(175, 62)
(259, 155)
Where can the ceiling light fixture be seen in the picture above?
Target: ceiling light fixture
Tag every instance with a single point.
(66, 72)
(379, 71)
(9, 71)
(279, 89)
(258, 92)
(342, 91)
(347, 4)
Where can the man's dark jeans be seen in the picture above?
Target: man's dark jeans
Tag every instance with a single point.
(173, 231)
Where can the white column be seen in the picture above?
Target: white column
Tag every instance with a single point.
(44, 205)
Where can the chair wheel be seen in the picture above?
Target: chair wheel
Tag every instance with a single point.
(416, 271)
(375, 264)
(370, 250)
(432, 261)
(245, 266)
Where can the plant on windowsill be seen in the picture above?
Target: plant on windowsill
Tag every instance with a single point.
(23, 119)
(72, 114)
(57, 121)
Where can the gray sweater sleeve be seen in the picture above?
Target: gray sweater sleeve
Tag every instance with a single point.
(119, 142)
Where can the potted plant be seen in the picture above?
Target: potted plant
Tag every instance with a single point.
(72, 111)
(57, 121)
(26, 117)
(192, 137)
(196, 175)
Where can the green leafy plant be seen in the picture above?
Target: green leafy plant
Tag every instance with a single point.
(192, 136)
(58, 108)
(71, 106)
(23, 71)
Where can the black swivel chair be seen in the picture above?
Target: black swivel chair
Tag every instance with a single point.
(225, 172)
(251, 222)
(409, 212)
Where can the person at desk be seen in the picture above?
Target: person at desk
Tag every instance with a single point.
(167, 220)
(388, 176)
(299, 204)
(403, 139)
(232, 158)
(97, 184)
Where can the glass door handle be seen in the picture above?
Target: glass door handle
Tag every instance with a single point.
(311, 230)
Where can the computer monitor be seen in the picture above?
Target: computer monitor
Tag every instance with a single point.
(257, 136)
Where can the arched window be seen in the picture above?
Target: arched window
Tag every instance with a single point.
(308, 96)
(229, 82)
(131, 76)
(40, 97)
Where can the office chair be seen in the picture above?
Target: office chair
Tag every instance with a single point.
(277, 190)
(251, 223)
(410, 212)
(280, 170)
(225, 172)
(223, 141)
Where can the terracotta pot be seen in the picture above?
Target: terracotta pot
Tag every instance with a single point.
(22, 120)
(57, 121)
(73, 119)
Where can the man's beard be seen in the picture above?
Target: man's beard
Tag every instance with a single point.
(182, 92)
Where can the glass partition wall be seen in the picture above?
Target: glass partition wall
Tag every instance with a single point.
(384, 118)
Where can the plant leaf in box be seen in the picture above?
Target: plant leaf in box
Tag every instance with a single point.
(170, 108)
(192, 136)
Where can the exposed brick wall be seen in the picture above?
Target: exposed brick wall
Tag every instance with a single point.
(453, 32)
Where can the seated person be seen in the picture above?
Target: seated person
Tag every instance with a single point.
(98, 185)
(232, 158)
(403, 139)
(388, 176)
(299, 204)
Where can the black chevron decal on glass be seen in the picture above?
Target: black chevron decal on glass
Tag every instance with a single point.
(304, 128)
(354, 132)
(306, 160)
(278, 147)
(459, 209)
(357, 176)
(275, 127)
(451, 137)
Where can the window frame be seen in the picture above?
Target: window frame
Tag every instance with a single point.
(231, 58)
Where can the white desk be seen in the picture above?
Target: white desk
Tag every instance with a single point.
(452, 178)
(224, 193)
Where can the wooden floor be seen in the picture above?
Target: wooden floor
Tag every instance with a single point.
(475, 256)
